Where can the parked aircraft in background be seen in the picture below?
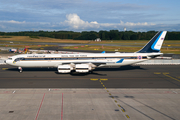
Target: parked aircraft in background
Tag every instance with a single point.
(83, 63)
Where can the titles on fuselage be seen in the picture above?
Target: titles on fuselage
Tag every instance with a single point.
(36, 56)
(40, 56)
(73, 55)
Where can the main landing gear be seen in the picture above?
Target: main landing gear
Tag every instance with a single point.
(20, 69)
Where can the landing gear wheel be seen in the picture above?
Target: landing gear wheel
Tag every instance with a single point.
(20, 69)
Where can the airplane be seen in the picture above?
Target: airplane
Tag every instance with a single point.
(84, 63)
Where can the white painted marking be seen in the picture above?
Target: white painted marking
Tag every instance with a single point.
(14, 91)
(175, 92)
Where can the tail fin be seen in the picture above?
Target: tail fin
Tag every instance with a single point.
(154, 45)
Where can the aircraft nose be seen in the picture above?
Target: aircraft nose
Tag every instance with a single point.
(6, 61)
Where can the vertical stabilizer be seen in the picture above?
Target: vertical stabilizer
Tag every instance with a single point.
(155, 44)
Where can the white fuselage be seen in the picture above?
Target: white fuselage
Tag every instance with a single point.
(102, 59)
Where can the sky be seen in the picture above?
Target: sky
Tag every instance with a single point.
(89, 15)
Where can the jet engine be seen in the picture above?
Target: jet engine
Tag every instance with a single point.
(84, 68)
(65, 68)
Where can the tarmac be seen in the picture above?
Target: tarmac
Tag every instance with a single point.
(125, 93)
(89, 104)
(145, 76)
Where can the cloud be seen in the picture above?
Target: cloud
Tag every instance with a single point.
(15, 22)
(74, 21)
(136, 24)
(14, 26)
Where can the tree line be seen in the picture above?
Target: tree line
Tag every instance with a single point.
(92, 35)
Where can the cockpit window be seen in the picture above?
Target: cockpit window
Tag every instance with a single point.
(18, 59)
(9, 58)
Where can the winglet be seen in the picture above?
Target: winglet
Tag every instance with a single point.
(104, 52)
(120, 61)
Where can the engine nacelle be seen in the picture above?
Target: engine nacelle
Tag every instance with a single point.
(65, 68)
(83, 68)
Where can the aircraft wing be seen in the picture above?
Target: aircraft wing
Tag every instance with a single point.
(97, 63)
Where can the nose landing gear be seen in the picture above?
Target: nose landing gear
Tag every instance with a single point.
(20, 69)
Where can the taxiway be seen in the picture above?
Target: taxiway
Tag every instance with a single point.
(126, 93)
(144, 76)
